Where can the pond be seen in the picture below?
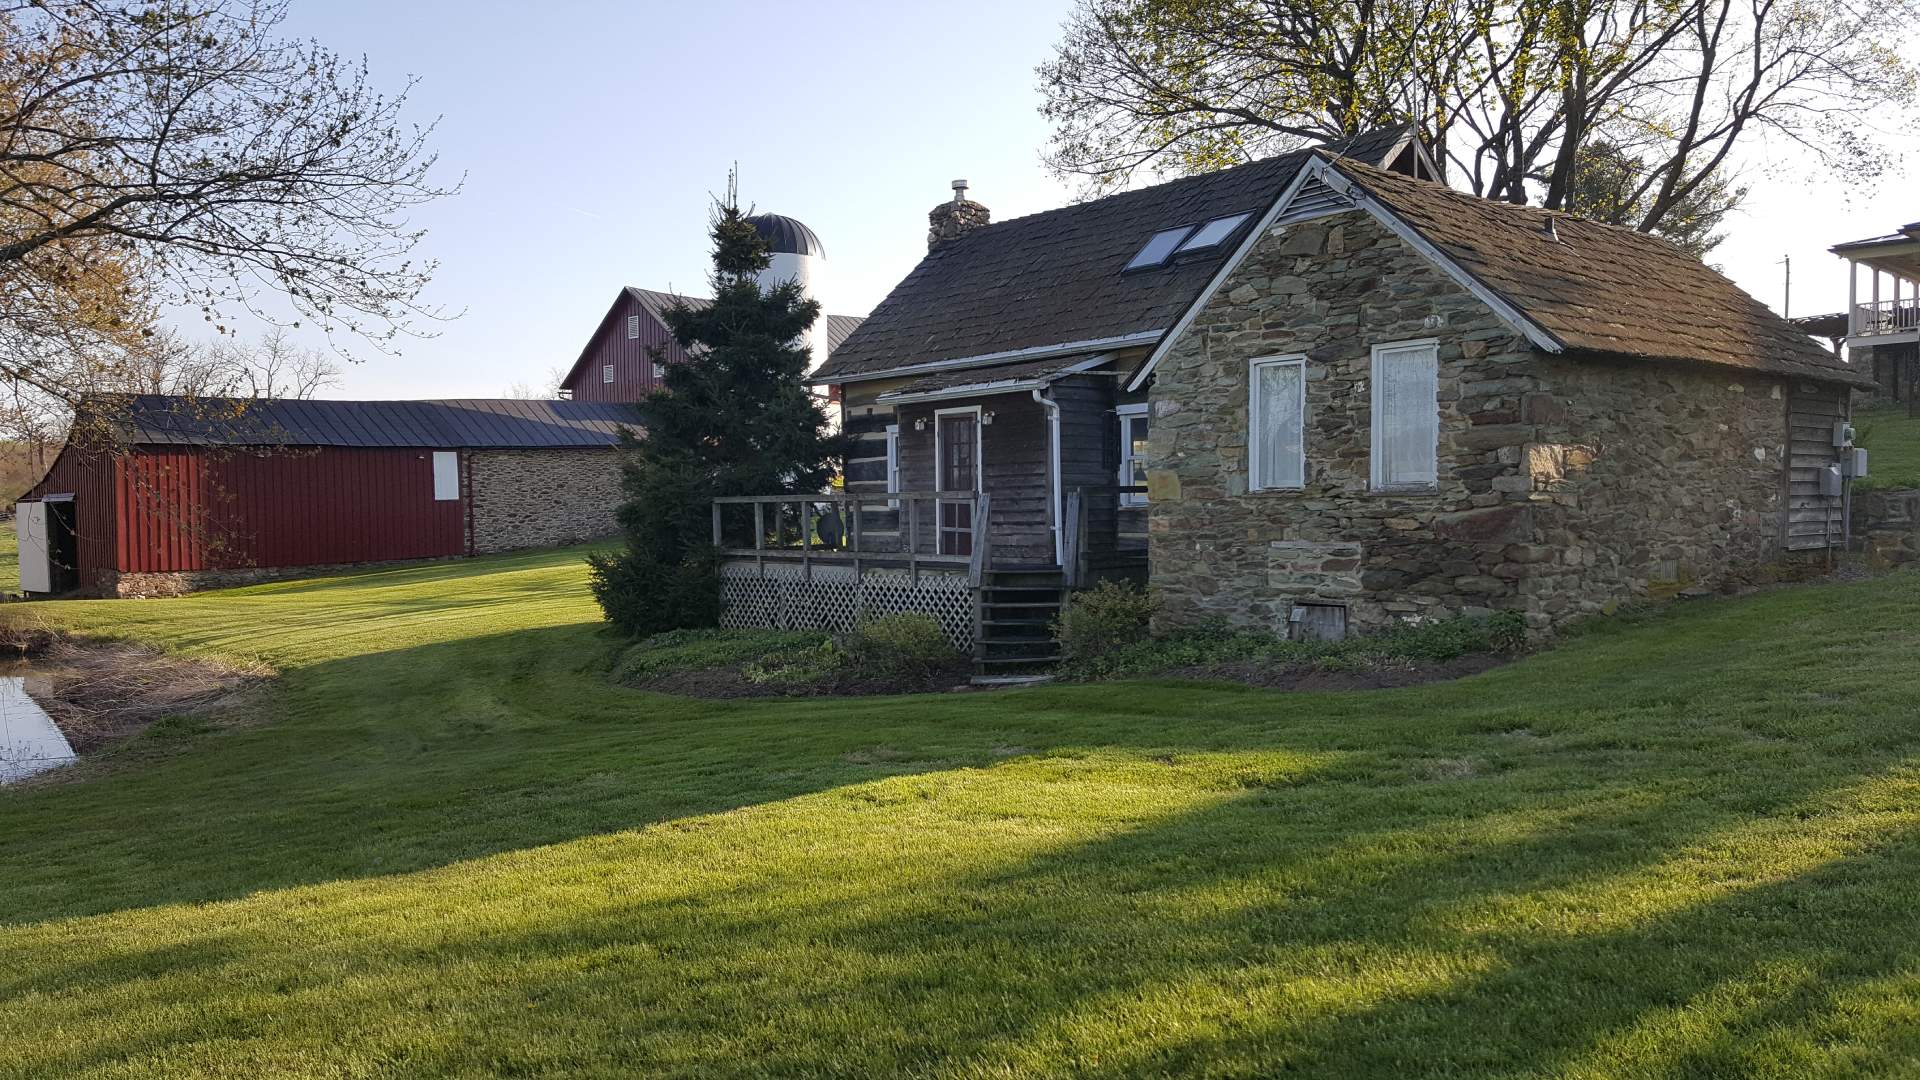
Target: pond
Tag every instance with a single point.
(30, 742)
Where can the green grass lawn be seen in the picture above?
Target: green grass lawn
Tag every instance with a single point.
(9, 558)
(1893, 447)
(1684, 848)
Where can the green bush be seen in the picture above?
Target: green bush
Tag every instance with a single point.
(704, 649)
(1214, 645)
(644, 596)
(908, 645)
(1098, 621)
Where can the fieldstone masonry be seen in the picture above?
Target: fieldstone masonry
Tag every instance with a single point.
(541, 498)
(1566, 485)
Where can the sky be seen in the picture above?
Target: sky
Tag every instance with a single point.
(590, 138)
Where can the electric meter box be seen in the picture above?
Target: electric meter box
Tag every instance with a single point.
(1830, 481)
(1853, 463)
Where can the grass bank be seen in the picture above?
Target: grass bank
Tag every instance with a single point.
(1682, 847)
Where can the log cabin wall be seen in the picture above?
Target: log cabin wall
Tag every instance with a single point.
(1014, 468)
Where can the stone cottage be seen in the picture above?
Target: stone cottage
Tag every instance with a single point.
(1313, 392)
(1399, 401)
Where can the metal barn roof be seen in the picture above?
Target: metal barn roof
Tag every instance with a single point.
(468, 424)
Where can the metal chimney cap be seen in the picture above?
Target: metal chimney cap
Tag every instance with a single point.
(959, 191)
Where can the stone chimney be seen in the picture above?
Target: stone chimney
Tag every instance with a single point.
(956, 218)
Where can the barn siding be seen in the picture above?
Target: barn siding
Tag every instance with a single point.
(89, 477)
(632, 366)
(186, 509)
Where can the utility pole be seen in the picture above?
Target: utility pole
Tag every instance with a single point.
(1786, 300)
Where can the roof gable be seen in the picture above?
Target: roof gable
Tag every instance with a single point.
(1582, 287)
(1037, 282)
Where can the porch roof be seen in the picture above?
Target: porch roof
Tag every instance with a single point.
(1005, 379)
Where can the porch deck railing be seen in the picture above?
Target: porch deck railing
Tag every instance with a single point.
(1886, 317)
(840, 529)
(1082, 546)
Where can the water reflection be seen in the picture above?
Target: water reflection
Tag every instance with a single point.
(30, 743)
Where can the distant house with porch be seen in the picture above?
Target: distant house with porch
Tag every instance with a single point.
(1317, 392)
(1882, 321)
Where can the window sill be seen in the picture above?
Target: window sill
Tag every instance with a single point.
(1406, 489)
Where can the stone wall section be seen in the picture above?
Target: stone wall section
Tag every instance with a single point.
(540, 498)
(1565, 486)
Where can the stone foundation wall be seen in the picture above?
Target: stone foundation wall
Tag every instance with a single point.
(1564, 486)
(1886, 527)
(182, 582)
(541, 498)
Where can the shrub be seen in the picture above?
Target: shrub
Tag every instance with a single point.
(907, 645)
(705, 649)
(644, 596)
(817, 665)
(1210, 646)
(1100, 620)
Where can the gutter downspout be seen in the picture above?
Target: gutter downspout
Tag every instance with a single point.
(1053, 471)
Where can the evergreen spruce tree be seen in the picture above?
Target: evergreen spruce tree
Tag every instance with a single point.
(733, 419)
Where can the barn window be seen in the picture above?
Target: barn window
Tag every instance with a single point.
(606, 374)
(1276, 417)
(446, 475)
(1406, 416)
(1133, 453)
(633, 327)
(659, 370)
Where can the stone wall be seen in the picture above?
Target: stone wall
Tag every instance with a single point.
(541, 498)
(1564, 487)
(1886, 527)
(129, 585)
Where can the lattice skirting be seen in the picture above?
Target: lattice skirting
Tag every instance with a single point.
(834, 600)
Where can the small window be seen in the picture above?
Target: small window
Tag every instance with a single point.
(1213, 233)
(446, 475)
(659, 370)
(1406, 416)
(1133, 453)
(1276, 417)
(606, 374)
(633, 327)
(1160, 248)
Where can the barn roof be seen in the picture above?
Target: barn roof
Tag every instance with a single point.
(466, 424)
(1057, 278)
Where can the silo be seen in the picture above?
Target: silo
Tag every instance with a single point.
(799, 256)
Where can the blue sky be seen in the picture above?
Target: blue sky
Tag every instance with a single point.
(591, 136)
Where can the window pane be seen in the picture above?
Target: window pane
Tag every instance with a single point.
(1408, 414)
(1213, 232)
(1160, 248)
(1279, 461)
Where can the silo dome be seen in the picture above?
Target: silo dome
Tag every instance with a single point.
(788, 236)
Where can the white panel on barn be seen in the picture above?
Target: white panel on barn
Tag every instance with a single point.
(36, 566)
(446, 475)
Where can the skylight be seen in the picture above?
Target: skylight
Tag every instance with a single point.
(1160, 248)
(1213, 233)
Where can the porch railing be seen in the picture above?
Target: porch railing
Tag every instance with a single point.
(1886, 317)
(1081, 545)
(927, 529)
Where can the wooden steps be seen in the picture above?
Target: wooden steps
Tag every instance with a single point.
(1015, 611)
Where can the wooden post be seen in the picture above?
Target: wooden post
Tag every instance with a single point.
(806, 541)
(760, 538)
(913, 546)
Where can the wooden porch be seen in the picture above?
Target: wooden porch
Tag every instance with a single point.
(829, 559)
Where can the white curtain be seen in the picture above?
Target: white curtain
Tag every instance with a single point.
(1279, 462)
(1406, 416)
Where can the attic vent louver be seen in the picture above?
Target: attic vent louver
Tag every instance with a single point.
(1313, 199)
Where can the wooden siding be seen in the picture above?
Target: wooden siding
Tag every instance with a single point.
(632, 366)
(1014, 467)
(195, 508)
(89, 478)
(1813, 521)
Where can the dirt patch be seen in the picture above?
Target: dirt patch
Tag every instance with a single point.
(102, 692)
(730, 681)
(1308, 677)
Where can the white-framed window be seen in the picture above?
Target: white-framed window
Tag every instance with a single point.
(446, 475)
(633, 327)
(1406, 416)
(1133, 452)
(606, 374)
(659, 370)
(1277, 423)
(893, 463)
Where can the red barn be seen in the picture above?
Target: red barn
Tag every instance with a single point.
(617, 363)
(162, 495)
